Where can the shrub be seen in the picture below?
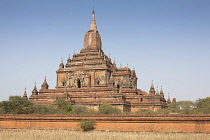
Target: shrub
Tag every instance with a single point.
(46, 109)
(108, 109)
(145, 111)
(87, 125)
(78, 109)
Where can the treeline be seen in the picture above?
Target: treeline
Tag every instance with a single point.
(19, 105)
(201, 106)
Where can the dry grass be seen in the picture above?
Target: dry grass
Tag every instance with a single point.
(25, 134)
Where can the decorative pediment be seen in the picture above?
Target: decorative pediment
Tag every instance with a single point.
(80, 73)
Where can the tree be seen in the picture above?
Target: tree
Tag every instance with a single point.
(203, 106)
(63, 105)
(16, 105)
(181, 107)
(186, 107)
(108, 109)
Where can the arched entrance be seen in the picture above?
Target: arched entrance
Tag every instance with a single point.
(78, 83)
(118, 88)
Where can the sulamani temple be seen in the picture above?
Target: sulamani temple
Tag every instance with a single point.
(90, 78)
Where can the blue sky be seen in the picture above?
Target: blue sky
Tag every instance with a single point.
(165, 41)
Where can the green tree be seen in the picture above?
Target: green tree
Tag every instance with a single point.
(180, 107)
(63, 105)
(16, 105)
(203, 106)
(108, 109)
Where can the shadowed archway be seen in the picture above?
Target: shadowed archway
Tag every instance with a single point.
(78, 83)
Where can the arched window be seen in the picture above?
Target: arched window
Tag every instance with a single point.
(118, 88)
(78, 83)
(98, 82)
(63, 83)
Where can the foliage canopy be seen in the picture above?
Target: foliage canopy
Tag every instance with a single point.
(16, 105)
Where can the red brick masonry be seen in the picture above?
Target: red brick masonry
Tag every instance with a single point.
(146, 123)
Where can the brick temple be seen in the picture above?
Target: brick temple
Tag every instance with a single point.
(90, 78)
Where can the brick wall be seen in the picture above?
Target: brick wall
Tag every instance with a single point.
(147, 123)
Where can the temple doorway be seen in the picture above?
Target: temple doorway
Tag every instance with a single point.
(118, 88)
(78, 83)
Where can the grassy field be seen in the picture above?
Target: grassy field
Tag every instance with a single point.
(25, 134)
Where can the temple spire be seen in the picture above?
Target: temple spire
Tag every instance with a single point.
(152, 85)
(169, 99)
(152, 89)
(25, 94)
(92, 39)
(45, 84)
(69, 59)
(61, 64)
(161, 92)
(157, 92)
(35, 91)
(93, 22)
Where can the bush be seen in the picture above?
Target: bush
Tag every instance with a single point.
(87, 125)
(46, 109)
(108, 109)
(78, 109)
(145, 111)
